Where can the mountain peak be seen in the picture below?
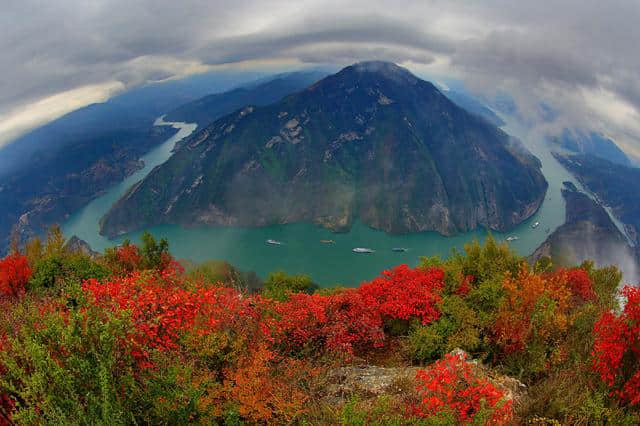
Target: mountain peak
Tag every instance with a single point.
(372, 143)
(388, 70)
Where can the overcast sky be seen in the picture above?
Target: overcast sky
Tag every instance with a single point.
(581, 56)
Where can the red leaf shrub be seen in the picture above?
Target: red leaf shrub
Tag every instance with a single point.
(128, 258)
(616, 351)
(14, 275)
(405, 293)
(337, 322)
(454, 385)
(465, 285)
(161, 310)
(580, 283)
(353, 319)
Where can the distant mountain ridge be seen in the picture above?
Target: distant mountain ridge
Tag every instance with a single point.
(371, 143)
(131, 111)
(207, 109)
(617, 186)
(592, 143)
(589, 234)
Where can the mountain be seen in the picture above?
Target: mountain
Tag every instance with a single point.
(592, 143)
(617, 186)
(371, 143)
(205, 110)
(588, 234)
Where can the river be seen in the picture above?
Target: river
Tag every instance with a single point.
(302, 251)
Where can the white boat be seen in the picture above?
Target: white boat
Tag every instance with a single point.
(513, 238)
(535, 225)
(274, 242)
(363, 250)
(327, 241)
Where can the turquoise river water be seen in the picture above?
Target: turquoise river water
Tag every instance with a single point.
(302, 251)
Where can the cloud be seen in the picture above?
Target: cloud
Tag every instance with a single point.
(40, 112)
(578, 55)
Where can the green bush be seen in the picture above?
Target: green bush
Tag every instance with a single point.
(64, 269)
(279, 284)
(78, 369)
(216, 272)
(46, 273)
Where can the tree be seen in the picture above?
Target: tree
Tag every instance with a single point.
(155, 255)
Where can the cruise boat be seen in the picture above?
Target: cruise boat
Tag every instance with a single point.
(363, 250)
(274, 242)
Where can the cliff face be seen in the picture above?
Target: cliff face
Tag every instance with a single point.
(55, 185)
(372, 142)
(589, 234)
(616, 185)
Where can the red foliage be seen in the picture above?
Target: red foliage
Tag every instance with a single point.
(7, 405)
(338, 322)
(353, 319)
(456, 385)
(129, 258)
(14, 275)
(580, 283)
(616, 352)
(405, 293)
(157, 315)
(160, 309)
(465, 285)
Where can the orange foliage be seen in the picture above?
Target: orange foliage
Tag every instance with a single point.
(269, 388)
(535, 306)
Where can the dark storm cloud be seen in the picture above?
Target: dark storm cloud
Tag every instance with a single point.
(564, 50)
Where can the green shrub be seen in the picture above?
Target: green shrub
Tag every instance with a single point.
(46, 273)
(64, 269)
(279, 284)
(78, 368)
(216, 272)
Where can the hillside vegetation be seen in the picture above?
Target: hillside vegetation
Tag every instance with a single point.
(133, 337)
